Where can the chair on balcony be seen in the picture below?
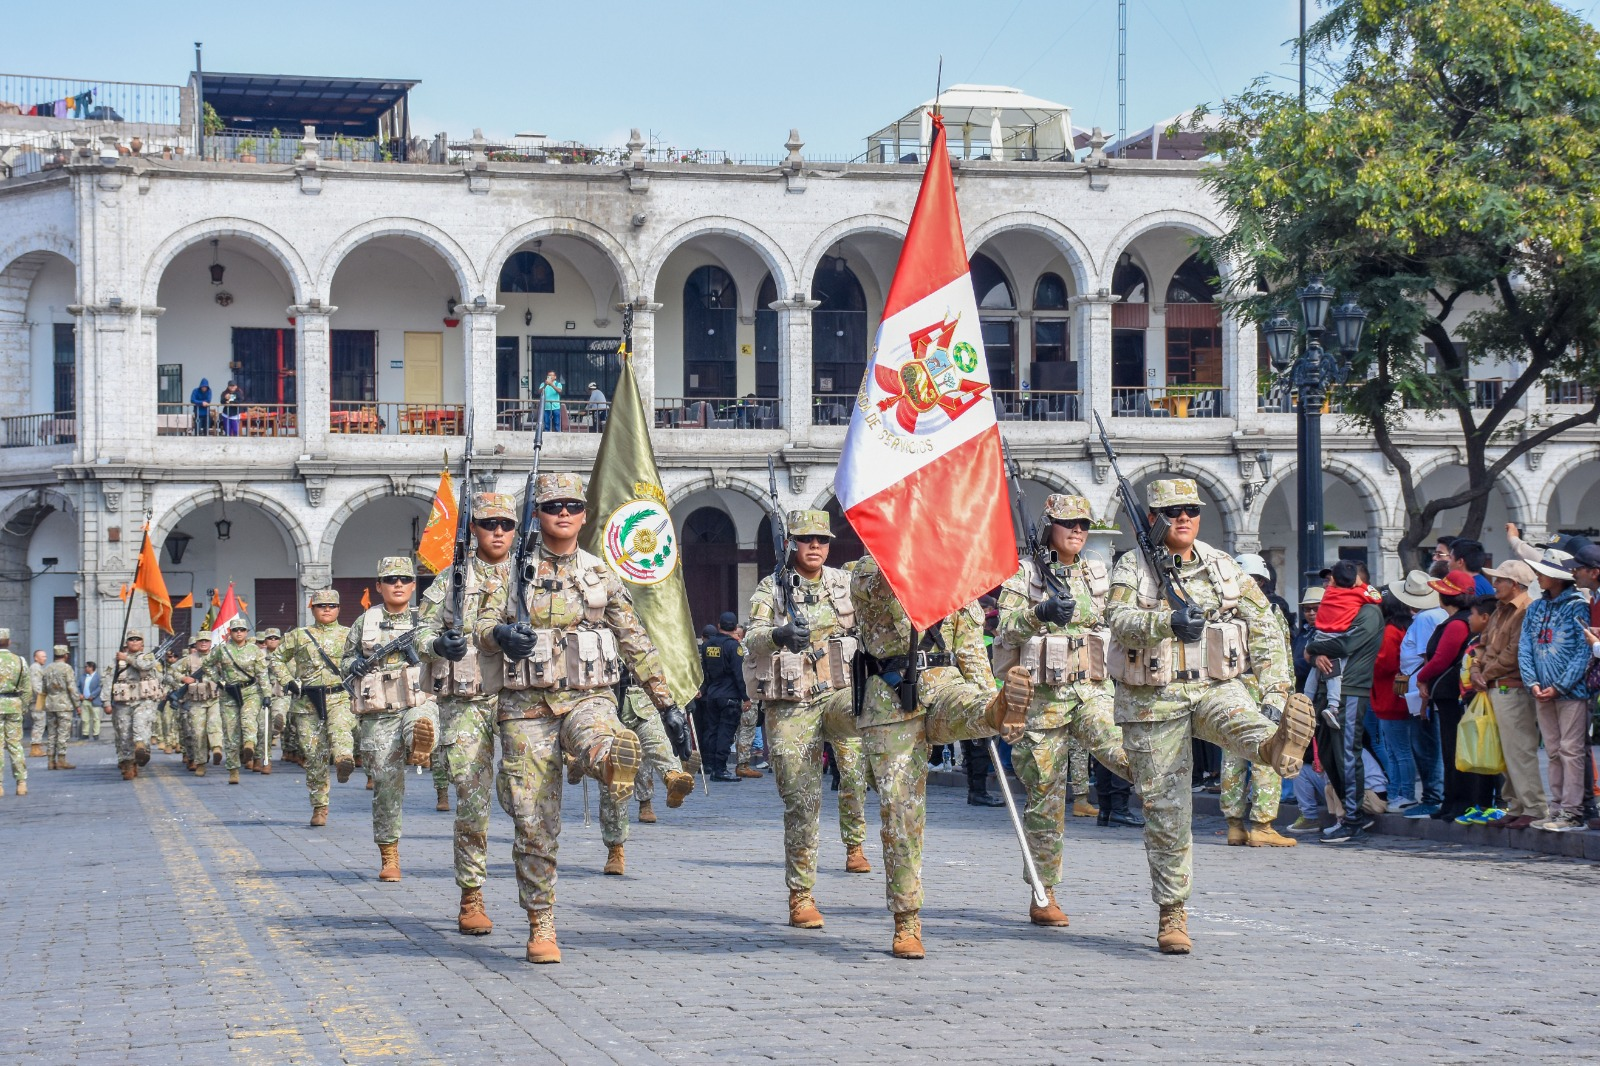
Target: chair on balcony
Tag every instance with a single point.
(1204, 405)
(696, 416)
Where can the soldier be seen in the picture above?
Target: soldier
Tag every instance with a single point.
(135, 687)
(60, 683)
(1061, 641)
(276, 695)
(165, 734)
(16, 692)
(323, 722)
(468, 688)
(744, 740)
(1180, 676)
(953, 697)
(201, 714)
(1251, 793)
(396, 718)
(557, 694)
(800, 669)
(41, 659)
(638, 714)
(239, 669)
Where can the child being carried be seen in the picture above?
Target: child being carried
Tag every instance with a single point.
(1336, 614)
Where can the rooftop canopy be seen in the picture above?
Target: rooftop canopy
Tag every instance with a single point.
(1178, 137)
(355, 107)
(989, 121)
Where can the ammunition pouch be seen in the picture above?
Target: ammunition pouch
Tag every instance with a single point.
(1057, 659)
(581, 660)
(464, 679)
(538, 670)
(394, 688)
(795, 676)
(200, 692)
(1221, 654)
(149, 687)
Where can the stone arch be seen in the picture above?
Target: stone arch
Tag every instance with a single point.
(1228, 503)
(269, 240)
(1188, 221)
(287, 520)
(622, 265)
(1518, 505)
(1366, 487)
(1554, 477)
(454, 256)
(346, 510)
(744, 486)
(752, 237)
(887, 225)
(32, 499)
(18, 272)
(1071, 246)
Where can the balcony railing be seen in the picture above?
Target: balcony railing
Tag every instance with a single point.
(27, 431)
(1283, 400)
(574, 416)
(1172, 401)
(253, 145)
(1569, 392)
(243, 420)
(832, 408)
(93, 99)
(1036, 405)
(403, 419)
(717, 412)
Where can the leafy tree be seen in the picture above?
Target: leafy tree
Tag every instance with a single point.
(1450, 177)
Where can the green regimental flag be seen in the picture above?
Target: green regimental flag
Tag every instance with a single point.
(631, 528)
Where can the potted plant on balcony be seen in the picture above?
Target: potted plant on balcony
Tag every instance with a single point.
(274, 142)
(247, 150)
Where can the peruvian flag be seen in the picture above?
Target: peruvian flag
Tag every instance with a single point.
(921, 477)
(225, 614)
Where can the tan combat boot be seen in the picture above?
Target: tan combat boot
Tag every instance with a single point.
(1050, 914)
(233, 777)
(52, 764)
(746, 770)
(679, 787)
(1263, 835)
(421, 753)
(247, 756)
(1008, 711)
(1286, 748)
(22, 788)
(263, 768)
(199, 769)
(344, 768)
(615, 864)
(1236, 833)
(319, 817)
(472, 921)
(542, 946)
(908, 934)
(127, 770)
(35, 751)
(443, 802)
(855, 860)
(803, 913)
(63, 764)
(1172, 935)
(615, 759)
(1082, 808)
(390, 854)
(647, 812)
(141, 755)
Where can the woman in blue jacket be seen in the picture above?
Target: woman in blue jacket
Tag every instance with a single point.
(1553, 657)
(201, 399)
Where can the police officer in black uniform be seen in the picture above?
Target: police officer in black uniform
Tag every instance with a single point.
(723, 696)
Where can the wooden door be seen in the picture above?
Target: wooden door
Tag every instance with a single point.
(424, 357)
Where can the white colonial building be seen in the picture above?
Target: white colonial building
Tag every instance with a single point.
(367, 308)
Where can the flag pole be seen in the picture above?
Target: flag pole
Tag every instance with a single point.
(127, 608)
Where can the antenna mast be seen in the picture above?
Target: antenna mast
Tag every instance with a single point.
(1122, 69)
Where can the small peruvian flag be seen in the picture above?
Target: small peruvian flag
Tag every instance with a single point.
(225, 614)
(921, 477)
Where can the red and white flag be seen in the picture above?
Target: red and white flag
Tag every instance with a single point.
(921, 477)
(225, 614)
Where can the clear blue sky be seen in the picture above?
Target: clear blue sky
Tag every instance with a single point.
(713, 75)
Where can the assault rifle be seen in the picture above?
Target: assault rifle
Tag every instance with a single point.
(784, 579)
(405, 642)
(1041, 554)
(1152, 541)
(525, 563)
(461, 565)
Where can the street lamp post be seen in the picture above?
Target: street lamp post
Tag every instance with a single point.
(1312, 374)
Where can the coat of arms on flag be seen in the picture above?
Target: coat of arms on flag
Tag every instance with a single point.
(934, 381)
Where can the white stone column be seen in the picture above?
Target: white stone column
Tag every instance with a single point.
(313, 373)
(16, 360)
(482, 327)
(116, 380)
(794, 365)
(1091, 344)
(644, 354)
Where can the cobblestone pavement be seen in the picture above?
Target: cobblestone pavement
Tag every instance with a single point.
(182, 920)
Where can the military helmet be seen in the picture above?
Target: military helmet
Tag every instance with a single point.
(493, 505)
(809, 523)
(1172, 492)
(1061, 507)
(397, 566)
(238, 623)
(325, 598)
(557, 487)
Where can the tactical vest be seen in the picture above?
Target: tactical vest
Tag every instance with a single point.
(391, 688)
(1223, 650)
(474, 675)
(135, 685)
(822, 667)
(1058, 658)
(579, 659)
(203, 690)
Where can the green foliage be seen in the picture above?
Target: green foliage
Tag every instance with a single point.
(213, 121)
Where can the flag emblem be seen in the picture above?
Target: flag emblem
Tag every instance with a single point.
(933, 378)
(640, 542)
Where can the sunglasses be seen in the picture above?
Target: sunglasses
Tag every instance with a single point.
(1077, 525)
(555, 507)
(1192, 510)
(495, 525)
(812, 538)
(396, 579)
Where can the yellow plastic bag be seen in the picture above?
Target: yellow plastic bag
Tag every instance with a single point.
(1478, 748)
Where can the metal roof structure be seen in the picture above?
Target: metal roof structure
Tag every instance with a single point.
(355, 107)
(1007, 121)
(1178, 137)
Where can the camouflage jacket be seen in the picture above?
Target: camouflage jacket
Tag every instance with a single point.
(133, 670)
(1051, 707)
(375, 627)
(278, 674)
(436, 613)
(235, 664)
(16, 684)
(307, 651)
(1280, 662)
(816, 603)
(563, 610)
(60, 686)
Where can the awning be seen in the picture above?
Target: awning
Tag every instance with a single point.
(1008, 122)
(355, 107)
(1171, 138)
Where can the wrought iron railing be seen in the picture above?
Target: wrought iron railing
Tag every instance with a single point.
(27, 431)
(232, 420)
(1170, 401)
(1037, 405)
(93, 99)
(403, 419)
(717, 412)
(1569, 392)
(573, 416)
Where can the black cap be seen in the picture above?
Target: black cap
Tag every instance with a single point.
(708, 632)
(1588, 555)
(729, 620)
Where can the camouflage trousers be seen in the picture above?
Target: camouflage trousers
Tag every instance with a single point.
(11, 744)
(241, 725)
(132, 723)
(321, 742)
(1043, 761)
(90, 713)
(897, 757)
(795, 732)
(385, 739)
(278, 716)
(529, 786)
(657, 755)
(466, 757)
(204, 732)
(744, 740)
(1160, 756)
(58, 713)
(166, 728)
(1250, 791)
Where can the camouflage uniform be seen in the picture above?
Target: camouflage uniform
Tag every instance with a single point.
(167, 725)
(1189, 699)
(392, 705)
(577, 601)
(1249, 790)
(638, 714)
(16, 692)
(240, 674)
(36, 734)
(201, 714)
(323, 722)
(277, 696)
(744, 738)
(796, 728)
(1073, 715)
(60, 698)
(134, 691)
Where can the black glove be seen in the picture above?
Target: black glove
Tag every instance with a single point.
(677, 727)
(1057, 610)
(516, 642)
(292, 688)
(362, 666)
(1188, 623)
(792, 637)
(451, 644)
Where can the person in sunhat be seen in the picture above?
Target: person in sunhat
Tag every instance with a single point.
(1553, 657)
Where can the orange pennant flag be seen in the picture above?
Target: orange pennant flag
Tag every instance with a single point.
(124, 594)
(187, 601)
(148, 578)
(366, 599)
(438, 547)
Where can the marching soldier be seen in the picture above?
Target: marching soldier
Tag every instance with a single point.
(239, 669)
(135, 687)
(323, 722)
(41, 659)
(397, 720)
(557, 695)
(60, 691)
(16, 692)
(167, 724)
(1180, 676)
(1251, 793)
(637, 713)
(1060, 640)
(937, 691)
(201, 713)
(276, 696)
(468, 689)
(800, 669)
